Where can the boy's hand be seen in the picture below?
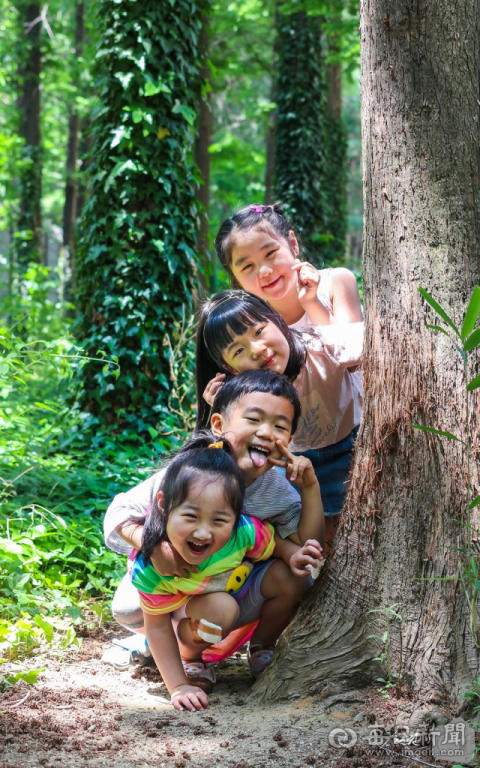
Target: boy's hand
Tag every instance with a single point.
(167, 562)
(299, 469)
(212, 387)
(310, 554)
(189, 697)
(308, 278)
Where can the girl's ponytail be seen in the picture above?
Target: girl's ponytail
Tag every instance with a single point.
(205, 455)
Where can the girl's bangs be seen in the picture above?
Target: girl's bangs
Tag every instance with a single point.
(225, 323)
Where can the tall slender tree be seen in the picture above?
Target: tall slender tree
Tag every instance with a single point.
(202, 157)
(141, 219)
(335, 180)
(71, 184)
(399, 539)
(29, 102)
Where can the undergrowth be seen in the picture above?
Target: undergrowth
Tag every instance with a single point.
(58, 472)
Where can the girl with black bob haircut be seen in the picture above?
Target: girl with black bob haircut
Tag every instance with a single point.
(225, 316)
(239, 332)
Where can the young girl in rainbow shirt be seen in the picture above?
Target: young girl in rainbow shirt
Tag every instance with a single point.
(199, 511)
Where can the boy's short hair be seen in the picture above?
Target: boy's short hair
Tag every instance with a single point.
(249, 382)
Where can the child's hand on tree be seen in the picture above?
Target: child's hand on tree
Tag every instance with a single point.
(189, 697)
(212, 387)
(167, 562)
(299, 469)
(308, 279)
(308, 555)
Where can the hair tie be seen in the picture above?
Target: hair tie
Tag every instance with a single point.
(262, 208)
(219, 444)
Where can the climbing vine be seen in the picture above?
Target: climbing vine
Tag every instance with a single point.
(137, 259)
(301, 110)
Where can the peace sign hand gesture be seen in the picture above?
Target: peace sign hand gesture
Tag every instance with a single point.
(299, 469)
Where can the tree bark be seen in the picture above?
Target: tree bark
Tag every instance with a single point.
(30, 218)
(202, 160)
(71, 185)
(407, 491)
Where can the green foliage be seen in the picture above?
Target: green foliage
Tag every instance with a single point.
(387, 615)
(332, 240)
(469, 339)
(300, 155)
(53, 561)
(140, 222)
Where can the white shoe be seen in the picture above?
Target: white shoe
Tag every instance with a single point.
(126, 652)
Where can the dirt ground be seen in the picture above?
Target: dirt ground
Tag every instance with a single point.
(84, 713)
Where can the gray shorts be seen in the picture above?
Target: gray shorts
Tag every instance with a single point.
(127, 611)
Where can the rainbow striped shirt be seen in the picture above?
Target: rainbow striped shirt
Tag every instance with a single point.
(163, 594)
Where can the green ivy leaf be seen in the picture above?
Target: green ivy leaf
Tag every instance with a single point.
(185, 111)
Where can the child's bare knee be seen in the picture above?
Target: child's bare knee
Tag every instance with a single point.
(218, 607)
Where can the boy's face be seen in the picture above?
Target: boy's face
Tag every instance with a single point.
(252, 426)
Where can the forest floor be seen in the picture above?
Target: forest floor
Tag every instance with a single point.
(82, 712)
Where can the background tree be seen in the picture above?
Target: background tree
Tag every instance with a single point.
(399, 538)
(140, 223)
(29, 72)
(300, 124)
(71, 184)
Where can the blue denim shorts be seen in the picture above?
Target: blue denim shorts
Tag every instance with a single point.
(332, 466)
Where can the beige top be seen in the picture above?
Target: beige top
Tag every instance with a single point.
(330, 394)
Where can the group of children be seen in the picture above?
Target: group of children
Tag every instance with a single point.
(223, 542)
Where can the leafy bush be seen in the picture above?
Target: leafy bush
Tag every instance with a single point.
(57, 477)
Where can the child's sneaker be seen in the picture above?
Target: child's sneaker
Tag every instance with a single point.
(259, 656)
(197, 673)
(130, 651)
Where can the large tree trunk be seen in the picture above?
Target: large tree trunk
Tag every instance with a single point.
(422, 228)
(71, 184)
(202, 159)
(30, 221)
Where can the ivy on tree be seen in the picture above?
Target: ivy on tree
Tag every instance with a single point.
(310, 155)
(140, 223)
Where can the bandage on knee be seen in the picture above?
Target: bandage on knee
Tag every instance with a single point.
(204, 631)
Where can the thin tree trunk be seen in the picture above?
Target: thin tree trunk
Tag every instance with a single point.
(272, 120)
(71, 185)
(334, 81)
(30, 219)
(422, 228)
(202, 160)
